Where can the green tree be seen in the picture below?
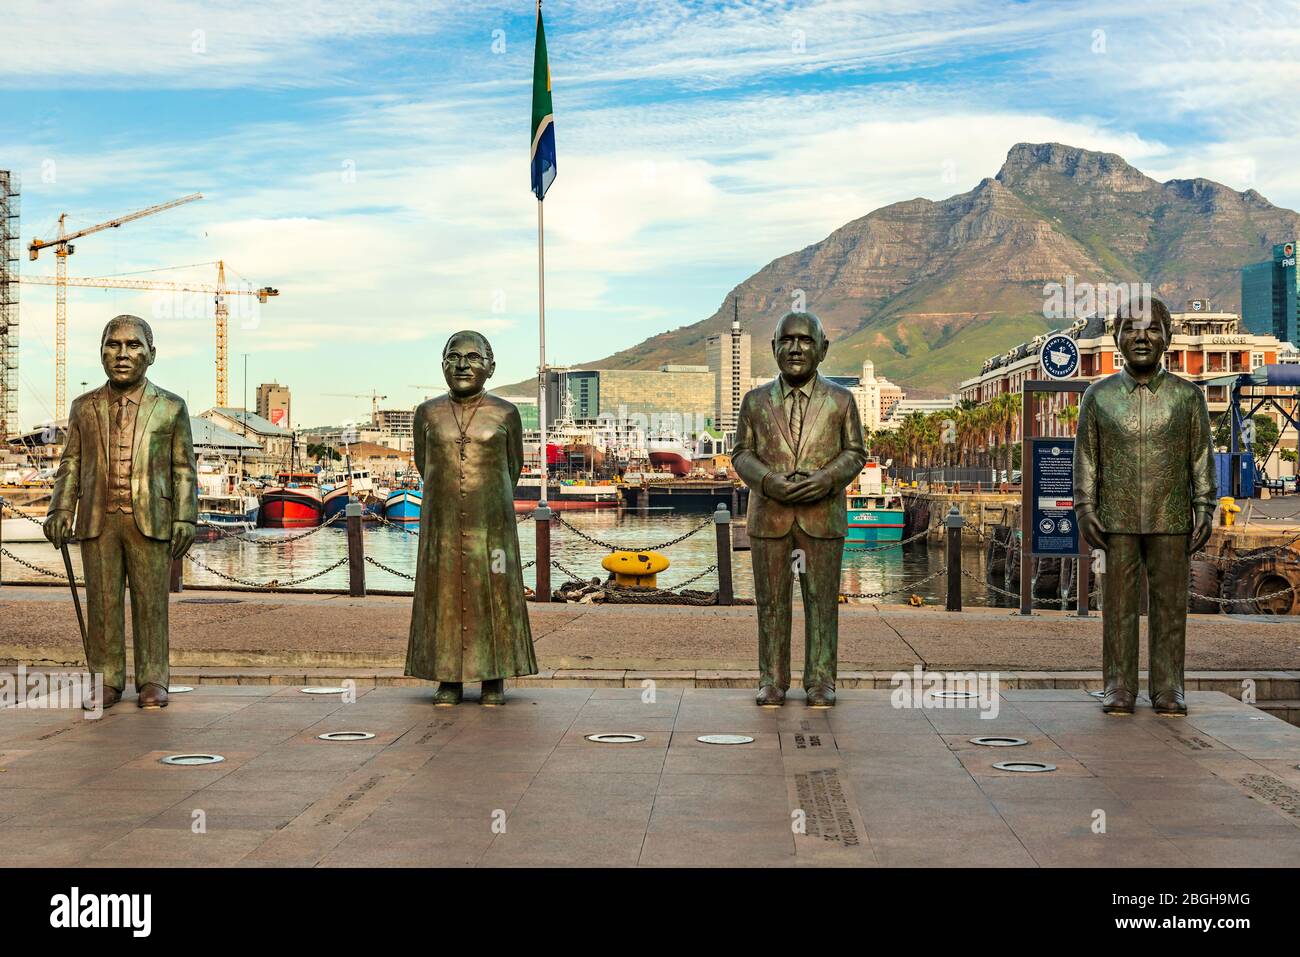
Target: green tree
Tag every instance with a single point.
(1266, 434)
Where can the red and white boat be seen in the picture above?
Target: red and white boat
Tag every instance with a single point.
(295, 501)
(669, 453)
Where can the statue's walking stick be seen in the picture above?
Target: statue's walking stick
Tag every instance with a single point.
(76, 602)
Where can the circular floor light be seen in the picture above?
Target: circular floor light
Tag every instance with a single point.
(998, 741)
(191, 760)
(1026, 766)
(725, 739)
(179, 689)
(323, 690)
(346, 736)
(615, 737)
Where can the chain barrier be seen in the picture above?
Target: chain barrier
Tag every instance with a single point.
(400, 528)
(1293, 589)
(62, 576)
(272, 542)
(573, 576)
(890, 591)
(1255, 553)
(522, 517)
(21, 514)
(611, 546)
(392, 571)
(274, 584)
(887, 545)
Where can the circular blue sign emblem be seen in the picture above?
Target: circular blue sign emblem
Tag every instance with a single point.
(1059, 357)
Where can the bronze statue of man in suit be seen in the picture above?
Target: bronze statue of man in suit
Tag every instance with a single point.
(1144, 493)
(798, 446)
(128, 475)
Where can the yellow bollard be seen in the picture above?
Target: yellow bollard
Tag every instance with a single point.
(1228, 509)
(635, 569)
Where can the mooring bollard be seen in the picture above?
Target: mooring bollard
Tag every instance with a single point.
(722, 520)
(542, 519)
(954, 522)
(356, 551)
(177, 582)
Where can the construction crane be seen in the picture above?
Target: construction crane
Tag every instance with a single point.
(374, 397)
(220, 291)
(63, 248)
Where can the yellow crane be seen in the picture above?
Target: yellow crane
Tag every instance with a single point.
(220, 290)
(63, 248)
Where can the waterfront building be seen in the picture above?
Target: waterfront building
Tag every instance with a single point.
(527, 406)
(728, 358)
(1206, 345)
(273, 404)
(875, 395)
(275, 441)
(1270, 296)
(902, 408)
(674, 397)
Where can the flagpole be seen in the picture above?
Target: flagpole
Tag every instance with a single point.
(541, 344)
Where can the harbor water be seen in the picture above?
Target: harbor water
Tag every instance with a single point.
(254, 560)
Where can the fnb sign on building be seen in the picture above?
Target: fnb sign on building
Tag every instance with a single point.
(1269, 301)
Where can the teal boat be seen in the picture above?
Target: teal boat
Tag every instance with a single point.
(875, 510)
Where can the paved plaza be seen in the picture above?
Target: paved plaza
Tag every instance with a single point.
(864, 784)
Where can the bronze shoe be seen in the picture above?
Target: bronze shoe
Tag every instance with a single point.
(494, 693)
(821, 696)
(770, 696)
(153, 696)
(1169, 703)
(1118, 701)
(108, 698)
(449, 693)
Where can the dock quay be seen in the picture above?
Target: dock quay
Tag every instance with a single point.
(287, 638)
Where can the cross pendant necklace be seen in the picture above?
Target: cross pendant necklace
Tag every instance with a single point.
(463, 441)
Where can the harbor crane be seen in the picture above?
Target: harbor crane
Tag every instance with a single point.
(220, 290)
(374, 397)
(63, 248)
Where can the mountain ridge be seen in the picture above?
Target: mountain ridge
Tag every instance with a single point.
(928, 288)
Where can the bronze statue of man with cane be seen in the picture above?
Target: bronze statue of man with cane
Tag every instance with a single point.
(127, 476)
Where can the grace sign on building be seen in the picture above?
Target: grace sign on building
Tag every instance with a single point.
(1059, 357)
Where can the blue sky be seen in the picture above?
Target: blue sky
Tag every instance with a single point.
(370, 160)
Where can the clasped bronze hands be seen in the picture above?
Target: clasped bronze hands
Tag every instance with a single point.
(798, 487)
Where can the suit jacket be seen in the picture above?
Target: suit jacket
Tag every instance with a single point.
(831, 440)
(163, 484)
(1143, 459)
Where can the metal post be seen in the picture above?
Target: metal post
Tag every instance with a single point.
(177, 583)
(1083, 580)
(954, 522)
(1026, 504)
(726, 591)
(542, 521)
(356, 551)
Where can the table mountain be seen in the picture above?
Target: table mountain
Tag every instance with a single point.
(929, 289)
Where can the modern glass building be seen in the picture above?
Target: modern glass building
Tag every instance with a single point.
(1270, 305)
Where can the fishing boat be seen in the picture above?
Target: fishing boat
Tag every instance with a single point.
(402, 507)
(564, 494)
(875, 509)
(355, 484)
(669, 453)
(294, 501)
(222, 505)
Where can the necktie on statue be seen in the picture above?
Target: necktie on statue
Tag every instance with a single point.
(796, 419)
(121, 414)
